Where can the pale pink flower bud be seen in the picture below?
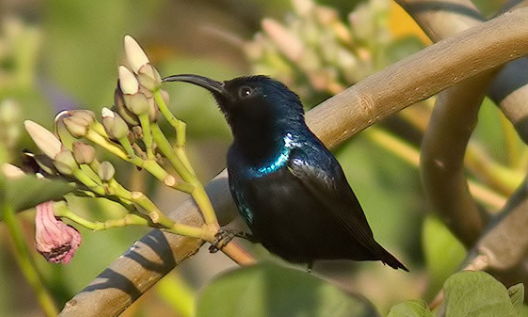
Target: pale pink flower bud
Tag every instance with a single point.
(65, 162)
(46, 141)
(114, 125)
(127, 81)
(135, 55)
(11, 171)
(106, 171)
(83, 153)
(55, 240)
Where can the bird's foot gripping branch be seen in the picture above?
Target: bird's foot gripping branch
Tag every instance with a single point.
(130, 131)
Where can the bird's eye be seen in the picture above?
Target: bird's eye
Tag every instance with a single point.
(245, 92)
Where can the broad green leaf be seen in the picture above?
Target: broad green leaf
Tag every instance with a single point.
(443, 253)
(30, 191)
(268, 290)
(516, 293)
(477, 294)
(411, 308)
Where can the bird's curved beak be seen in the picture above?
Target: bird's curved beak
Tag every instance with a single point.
(215, 87)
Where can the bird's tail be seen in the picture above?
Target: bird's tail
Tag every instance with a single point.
(391, 260)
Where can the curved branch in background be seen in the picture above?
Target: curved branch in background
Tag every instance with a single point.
(404, 83)
(442, 157)
(441, 19)
(504, 243)
(452, 122)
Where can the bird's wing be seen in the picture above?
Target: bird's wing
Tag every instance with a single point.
(331, 189)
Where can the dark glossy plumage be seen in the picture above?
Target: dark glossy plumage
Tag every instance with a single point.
(289, 188)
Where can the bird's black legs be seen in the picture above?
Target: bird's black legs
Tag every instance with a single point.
(224, 236)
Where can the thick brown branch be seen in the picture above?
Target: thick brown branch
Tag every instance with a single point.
(402, 84)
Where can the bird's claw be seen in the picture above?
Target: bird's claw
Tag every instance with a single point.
(222, 238)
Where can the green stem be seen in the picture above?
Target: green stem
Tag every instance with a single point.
(204, 203)
(106, 144)
(150, 164)
(165, 222)
(178, 125)
(199, 194)
(88, 182)
(125, 143)
(25, 261)
(61, 210)
(147, 135)
(167, 150)
(180, 128)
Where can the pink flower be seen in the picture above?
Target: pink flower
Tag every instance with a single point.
(55, 240)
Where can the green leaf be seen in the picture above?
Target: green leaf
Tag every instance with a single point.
(411, 308)
(516, 293)
(267, 290)
(477, 294)
(30, 191)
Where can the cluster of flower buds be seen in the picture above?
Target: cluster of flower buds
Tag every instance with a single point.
(316, 44)
(65, 155)
(134, 92)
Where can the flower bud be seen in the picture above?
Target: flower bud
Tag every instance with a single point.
(46, 141)
(153, 110)
(106, 171)
(55, 240)
(121, 109)
(127, 81)
(83, 153)
(114, 125)
(137, 103)
(65, 162)
(11, 171)
(149, 77)
(135, 55)
(75, 127)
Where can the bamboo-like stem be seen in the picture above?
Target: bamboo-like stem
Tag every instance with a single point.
(502, 178)
(415, 78)
(26, 263)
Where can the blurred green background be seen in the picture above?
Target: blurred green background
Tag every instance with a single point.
(63, 54)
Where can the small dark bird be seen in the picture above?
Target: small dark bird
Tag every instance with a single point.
(288, 187)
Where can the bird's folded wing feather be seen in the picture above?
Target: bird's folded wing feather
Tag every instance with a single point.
(333, 192)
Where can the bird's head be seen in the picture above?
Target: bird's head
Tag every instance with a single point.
(252, 102)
